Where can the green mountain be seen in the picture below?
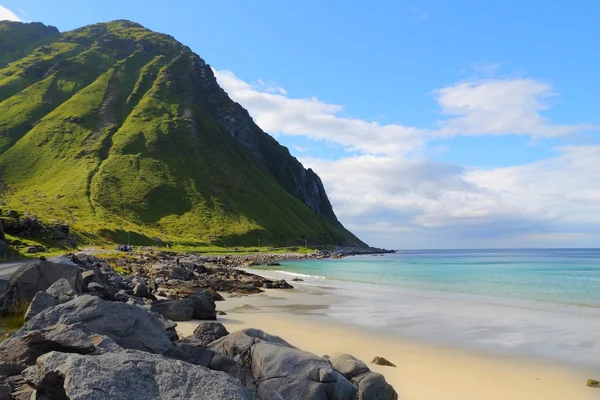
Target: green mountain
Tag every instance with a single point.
(118, 130)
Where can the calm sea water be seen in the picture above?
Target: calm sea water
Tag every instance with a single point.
(561, 276)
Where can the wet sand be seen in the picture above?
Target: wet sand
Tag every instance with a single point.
(424, 370)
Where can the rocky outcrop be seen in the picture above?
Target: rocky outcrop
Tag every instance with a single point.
(59, 292)
(128, 325)
(197, 306)
(23, 349)
(371, 385)
(36, 276)
(206, 333)
(129, 375)
(274, 369)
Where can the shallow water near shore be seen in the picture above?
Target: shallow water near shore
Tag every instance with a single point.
(542, 304)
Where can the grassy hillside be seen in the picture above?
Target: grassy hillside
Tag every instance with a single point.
(118, 131)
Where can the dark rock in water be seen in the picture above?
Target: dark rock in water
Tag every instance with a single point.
(34, 277)
(22, 350)
(130, 326)
(297, 280)
(129, 375)
(59, 292)
(382, 361)
(281, 371)
(273, 264)
(371, 385)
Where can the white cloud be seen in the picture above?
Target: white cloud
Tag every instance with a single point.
(300, 149)
(277, 113)
(7, 15)
(411, 203)
(508, 106)
(389, 192)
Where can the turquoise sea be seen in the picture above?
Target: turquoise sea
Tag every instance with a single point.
(542, 304)
(562, 276)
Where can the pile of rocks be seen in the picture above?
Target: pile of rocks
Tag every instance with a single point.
(83, 342)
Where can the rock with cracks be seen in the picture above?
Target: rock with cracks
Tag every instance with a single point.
(34, 277)
(276, 370)
(128, 375)
(371, 385)
(130, 326)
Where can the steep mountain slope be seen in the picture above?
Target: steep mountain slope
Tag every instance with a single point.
(114, 128)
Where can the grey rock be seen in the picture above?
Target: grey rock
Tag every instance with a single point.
(191, 354)
(40, 302)
(207, 332)
(130, 326)
(371, 385)
(59, 292)
(131, 375)
(140, 290)
(62, 290)
(170, 271)
(176, 310)
(280, 371)
(204, 306)
(22, 349)
(34, 277)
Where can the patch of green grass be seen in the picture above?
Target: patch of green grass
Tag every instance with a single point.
(14, 320)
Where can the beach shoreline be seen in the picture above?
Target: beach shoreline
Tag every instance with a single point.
(424, 370)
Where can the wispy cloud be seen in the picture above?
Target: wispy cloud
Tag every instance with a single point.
(6, 14)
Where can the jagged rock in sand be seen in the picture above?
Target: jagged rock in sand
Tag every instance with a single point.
(382, 361)
(130, 326)
(129, 375)
(197, 306)
(59, 292)
(371, 385)
(274, 369)
(36, 276)
(22, 349)
(206, 333)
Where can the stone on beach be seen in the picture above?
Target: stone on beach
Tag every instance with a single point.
(59, 292)
(371, 385)
(382, 361)
(280, 371)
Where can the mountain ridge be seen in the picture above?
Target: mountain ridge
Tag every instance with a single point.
(115, 128)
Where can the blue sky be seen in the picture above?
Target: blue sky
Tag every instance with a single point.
(432, 123)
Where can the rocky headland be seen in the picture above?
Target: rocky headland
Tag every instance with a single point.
(98, 328)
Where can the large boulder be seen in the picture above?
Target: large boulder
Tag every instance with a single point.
(371, 385)
(206, 333)
(23, 348)
(130, 326)
(34, 277)
(131, 375)
(197, 306)
(59, 292)
(175, 310)
(276, 370)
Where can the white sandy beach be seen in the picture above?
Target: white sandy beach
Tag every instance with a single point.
(424, 370)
